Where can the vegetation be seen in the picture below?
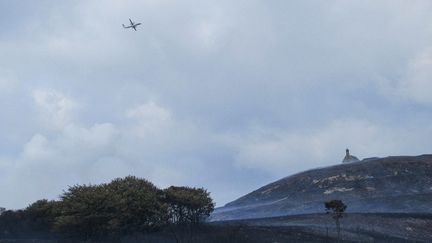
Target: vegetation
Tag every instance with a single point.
(123, 206)
(188, 205)
(336, 208)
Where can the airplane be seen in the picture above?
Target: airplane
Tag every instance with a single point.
(132, 25)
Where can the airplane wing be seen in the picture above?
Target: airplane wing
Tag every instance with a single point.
(131, 22)
(133, 26)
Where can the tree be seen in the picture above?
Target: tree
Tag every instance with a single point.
(337, 209)
(125, 205)
(12, 223)
(188, 205)
(83, 211)
(42, 214)
(136, 205)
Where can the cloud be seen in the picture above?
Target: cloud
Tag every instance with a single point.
(38, 149)
(150, 118)
(417, 82)
(55, 109)
(157, 145)
(279, 151)
(150, 145)
(226, 95)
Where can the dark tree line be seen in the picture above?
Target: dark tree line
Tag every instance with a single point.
(123, 206)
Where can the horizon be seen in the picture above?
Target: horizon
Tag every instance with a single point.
(227, 96)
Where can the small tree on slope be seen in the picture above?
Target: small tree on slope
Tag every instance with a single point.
(336, 208)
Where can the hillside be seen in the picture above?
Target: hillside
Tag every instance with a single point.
(391, 184)
(355, 227)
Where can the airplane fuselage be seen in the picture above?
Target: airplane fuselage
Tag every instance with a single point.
(132, 25)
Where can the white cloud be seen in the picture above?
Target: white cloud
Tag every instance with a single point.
(151, 121)
(95, 137)
(150, 113)
(55, 109)
(151, 145)
(72, 147)
(417, 83)
(304, 73)
(38, 149)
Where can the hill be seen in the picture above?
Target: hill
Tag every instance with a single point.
(378, 185)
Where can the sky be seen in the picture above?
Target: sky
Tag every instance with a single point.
(225, 95)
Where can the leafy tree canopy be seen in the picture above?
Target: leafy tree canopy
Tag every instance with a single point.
(125, 205)
(188, 205)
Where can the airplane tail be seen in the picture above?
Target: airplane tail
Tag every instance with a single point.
(124, 26)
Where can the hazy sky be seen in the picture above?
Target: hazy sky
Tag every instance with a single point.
(227, 95)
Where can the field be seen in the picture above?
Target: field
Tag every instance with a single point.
(300, 228)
